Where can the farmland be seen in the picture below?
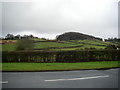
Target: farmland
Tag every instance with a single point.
(40, 44)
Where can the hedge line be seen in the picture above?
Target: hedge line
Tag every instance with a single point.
(61, 56)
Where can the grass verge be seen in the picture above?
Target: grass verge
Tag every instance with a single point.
(58, 66)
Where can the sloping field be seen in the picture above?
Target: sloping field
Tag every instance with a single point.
(61, 45)
(71, 45)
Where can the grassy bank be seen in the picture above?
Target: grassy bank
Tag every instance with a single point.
(58, 66)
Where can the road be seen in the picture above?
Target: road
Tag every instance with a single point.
(62, 79)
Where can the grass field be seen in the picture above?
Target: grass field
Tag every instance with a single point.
(9, 47)
(58, 66)
(53, 44)
(36, 39)
(43, 45)
(98, 42)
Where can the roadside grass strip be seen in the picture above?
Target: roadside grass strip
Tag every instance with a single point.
(58, 66)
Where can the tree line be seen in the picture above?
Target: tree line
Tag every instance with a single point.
(17, 37)
(113, 39)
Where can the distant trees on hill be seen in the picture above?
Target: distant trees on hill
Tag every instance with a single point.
(9, 37)
(116, 41)
(12, 37)
(113, 39)
(75, 36)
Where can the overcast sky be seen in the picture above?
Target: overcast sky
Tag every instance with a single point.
(48, 18)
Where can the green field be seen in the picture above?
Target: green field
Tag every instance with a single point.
(9, 47)
(36, 39)
(53, 44)
(98, 42)
(58, 66)
(61, 45)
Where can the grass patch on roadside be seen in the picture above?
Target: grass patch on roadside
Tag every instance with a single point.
(58, 66)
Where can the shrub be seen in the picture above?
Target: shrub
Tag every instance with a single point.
(24, 44)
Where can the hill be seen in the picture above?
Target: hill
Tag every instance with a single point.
(75, 36)
(66, 41)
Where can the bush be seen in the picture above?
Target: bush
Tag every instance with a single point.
(24, 44)
(111, 46)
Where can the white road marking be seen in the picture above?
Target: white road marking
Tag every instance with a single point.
(76, 78)
(18, 72)
(3, 82)
(13, 73)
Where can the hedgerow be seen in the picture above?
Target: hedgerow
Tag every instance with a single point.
(61, 56)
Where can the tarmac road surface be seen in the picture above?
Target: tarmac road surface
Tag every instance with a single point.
(61, 79)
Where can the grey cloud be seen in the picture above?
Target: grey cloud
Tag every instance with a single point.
(58, 16)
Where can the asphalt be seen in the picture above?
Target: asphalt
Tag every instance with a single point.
(61, 79)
